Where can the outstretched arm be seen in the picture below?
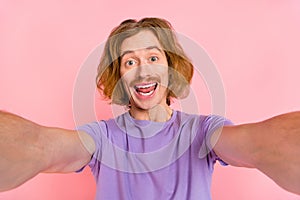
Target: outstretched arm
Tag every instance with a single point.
(272, 146)
(27, 149)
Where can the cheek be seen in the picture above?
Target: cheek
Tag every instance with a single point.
(127, 76)
(165, 77)
(122, 71)
(125, 81)
(124, 85)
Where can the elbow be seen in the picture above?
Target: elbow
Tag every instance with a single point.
(10, 179)
(6, 188)
(8, 185)
(287, 180)
(295, 190)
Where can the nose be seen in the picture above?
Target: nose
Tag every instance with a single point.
(144, 69)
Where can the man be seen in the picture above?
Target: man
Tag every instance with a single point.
(151, 151)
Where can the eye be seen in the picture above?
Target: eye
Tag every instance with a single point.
(130, 62)
(153, 58)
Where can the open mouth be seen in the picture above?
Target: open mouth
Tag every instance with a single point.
(146, 89)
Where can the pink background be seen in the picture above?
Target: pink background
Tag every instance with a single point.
(255, 45)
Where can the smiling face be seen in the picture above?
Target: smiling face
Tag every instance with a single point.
(144, 71)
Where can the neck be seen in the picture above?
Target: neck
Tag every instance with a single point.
(158, 113)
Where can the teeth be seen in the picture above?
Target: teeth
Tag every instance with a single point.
(146, 94)
(143, 89)
(145, 86)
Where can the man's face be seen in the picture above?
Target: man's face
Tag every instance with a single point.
(144, 70)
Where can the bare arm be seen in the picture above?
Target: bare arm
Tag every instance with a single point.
(272, 146)
(27, 149)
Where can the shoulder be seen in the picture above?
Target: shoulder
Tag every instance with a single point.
(99, 128)
(207, 122)
(101, 125)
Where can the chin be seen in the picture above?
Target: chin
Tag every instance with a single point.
(144, 106)
(148, 105)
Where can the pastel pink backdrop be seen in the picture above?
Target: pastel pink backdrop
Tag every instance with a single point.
(255, 45)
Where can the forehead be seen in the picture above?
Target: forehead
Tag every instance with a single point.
(141, 40)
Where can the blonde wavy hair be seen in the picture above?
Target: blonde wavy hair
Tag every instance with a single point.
(108, 76)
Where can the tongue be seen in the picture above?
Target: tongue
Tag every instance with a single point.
(145, 90)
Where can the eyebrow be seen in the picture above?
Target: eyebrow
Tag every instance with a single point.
(147, 48)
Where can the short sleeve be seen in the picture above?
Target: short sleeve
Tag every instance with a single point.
(96, 131)
(209, 125)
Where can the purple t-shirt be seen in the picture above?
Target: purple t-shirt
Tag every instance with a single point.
(139, 159)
